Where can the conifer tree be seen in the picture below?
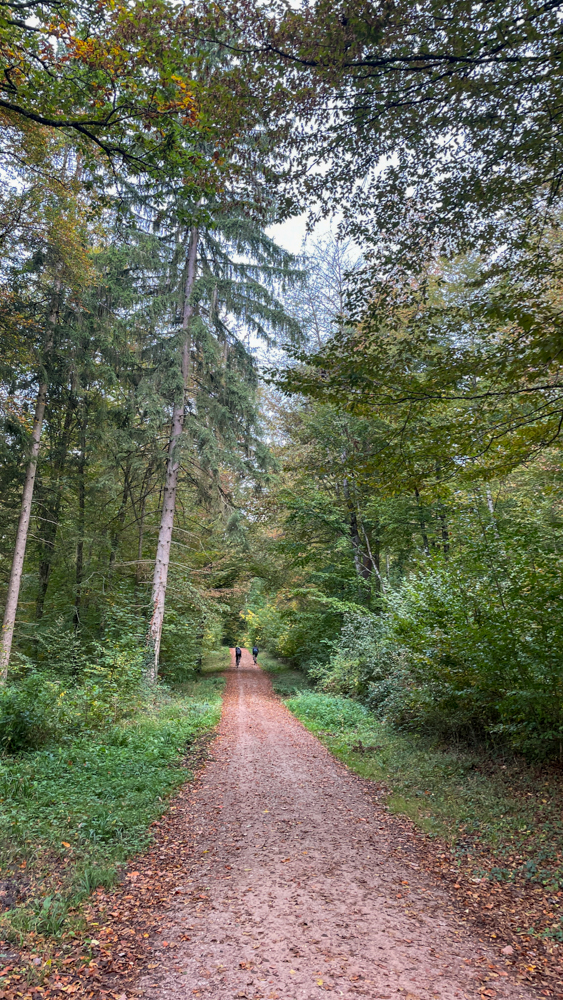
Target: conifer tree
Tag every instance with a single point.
(228, 290)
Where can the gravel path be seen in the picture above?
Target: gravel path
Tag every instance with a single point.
(291, 886)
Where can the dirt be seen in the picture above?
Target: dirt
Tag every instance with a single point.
(291, 881)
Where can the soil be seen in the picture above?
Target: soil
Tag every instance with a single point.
(293, 881)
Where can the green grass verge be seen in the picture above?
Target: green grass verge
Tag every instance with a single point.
(217, 659)
(71, 814)
(285, 680)
(482, 807)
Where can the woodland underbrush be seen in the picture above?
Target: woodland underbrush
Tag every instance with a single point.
(79, 798)
(446, 654)
(497, 819)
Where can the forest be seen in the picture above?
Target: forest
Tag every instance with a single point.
(347, 453)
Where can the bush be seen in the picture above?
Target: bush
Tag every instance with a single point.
(446, 656)
(26, 713)
(38, 707)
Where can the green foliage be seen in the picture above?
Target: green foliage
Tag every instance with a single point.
(467, 647)
(477, 804)
(26, 713)
(407, 157)
(419, 517)
(40, 710)
(98, 794)
(72, 688)
(285, 681)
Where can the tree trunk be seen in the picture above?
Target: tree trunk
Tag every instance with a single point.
(445, 533)
(422, 524)
(52, 511)
(81, 520)
(160, 577)
(360, 557)
(138, 570)
(21, 536)
(375, 557)
(119, 521)
(443, 522)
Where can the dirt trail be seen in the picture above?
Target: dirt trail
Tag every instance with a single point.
(294, 887)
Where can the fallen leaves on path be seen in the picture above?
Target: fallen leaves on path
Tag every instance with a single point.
(502, 913)
(123, 923)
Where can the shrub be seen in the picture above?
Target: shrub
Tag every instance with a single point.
(26, 712)
(39, 707)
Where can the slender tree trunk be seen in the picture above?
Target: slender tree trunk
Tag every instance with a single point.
(119, 521)
(375, 557)
(443, 522)
(160, 578)
(21, 536)
(81, 520)
(422, 523)
(138, 570)
(51, 523)
(491, 508)
(445, 533)
(48, 538)
(360, 559)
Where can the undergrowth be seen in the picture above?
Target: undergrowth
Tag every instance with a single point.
(285, 680)
(71, 814)
(484, 807)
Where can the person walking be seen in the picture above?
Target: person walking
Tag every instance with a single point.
(238, 654)
(254, 653)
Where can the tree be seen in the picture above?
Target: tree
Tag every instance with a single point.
(77, 67)
(172, 466)
(437, 131)
(465, 373)
(224, 285)
(56, 270)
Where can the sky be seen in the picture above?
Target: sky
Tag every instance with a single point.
(290, 234)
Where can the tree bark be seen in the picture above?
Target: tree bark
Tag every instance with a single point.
(162, 562)
(361, 563)
(119, 521)
(375, 557)
(81, 520)
(52, 511)
(445, 533)
(21, 536)
(138, 571)
(443, 522)
(422, 524)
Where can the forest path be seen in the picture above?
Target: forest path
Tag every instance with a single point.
(291, 886)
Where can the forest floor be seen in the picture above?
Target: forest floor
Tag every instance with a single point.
(278, 874)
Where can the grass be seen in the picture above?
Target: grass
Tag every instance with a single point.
(285, 681)
(505, 810)
(71, 815)
(217, 659)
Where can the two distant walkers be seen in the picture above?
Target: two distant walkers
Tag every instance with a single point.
(238, 654)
